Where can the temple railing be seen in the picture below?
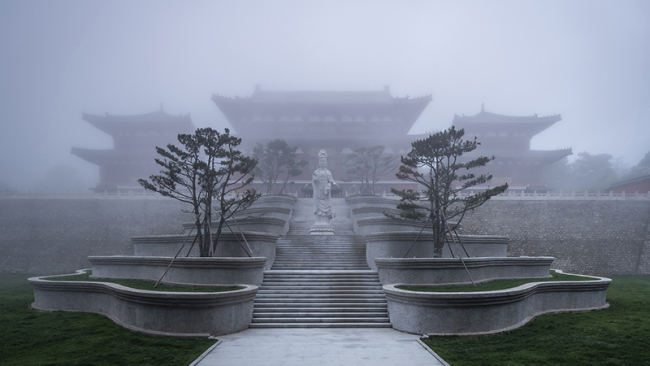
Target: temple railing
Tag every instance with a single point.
(559, 196)
(140, 194)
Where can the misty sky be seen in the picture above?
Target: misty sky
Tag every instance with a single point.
(587, 60)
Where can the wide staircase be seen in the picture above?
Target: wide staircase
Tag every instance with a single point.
(320, 280)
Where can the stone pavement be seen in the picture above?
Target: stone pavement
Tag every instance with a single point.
(321, 346)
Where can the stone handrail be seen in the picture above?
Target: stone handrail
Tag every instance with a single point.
(558, 196)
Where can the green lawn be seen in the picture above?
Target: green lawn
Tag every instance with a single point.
(32, 338)
(146, 285)
(619, 335)
(496, 285)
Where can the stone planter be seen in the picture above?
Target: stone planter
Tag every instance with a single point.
(269, 225)
(158, 313)
(194, 270)
(163, 245)
(476, 313)
(275, 201)
(277, 212)
(430, 271)
(385, 224)
(371, 201)
(396, 244)
(262, 245)
(373, 211)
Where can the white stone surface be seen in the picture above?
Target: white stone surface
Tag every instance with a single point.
(488, 312)
(307, 347)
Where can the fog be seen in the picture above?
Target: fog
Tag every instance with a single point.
(586, 60)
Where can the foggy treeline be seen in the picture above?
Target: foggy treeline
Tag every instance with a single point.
(592, 172)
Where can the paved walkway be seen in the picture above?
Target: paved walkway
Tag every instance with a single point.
(310, 347)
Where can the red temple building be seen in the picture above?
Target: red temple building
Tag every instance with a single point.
(134, 146)
(508, 139)
(336, 121)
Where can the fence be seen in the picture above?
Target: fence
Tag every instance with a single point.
(559, 196)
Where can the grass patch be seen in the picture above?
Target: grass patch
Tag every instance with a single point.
(146, 285)
(615, 336)
(495, 285)
(62, 338)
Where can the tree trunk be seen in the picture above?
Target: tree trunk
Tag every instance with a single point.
(438, 239)
(203, 250)
(218, 234)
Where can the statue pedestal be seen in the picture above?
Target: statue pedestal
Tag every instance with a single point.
(322, 226)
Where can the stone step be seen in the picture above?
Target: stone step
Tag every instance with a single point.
(322, 320)
(320, 288)
(322, 284)
(320, 264)
(323, 276)
(335, 297)
(320, 251)
(340, 259)
(312, 265)
(320, 281)
(320, 325)
(307, 265)
(318, 291)
(320, 267)
(316, 309)
(329, 314)
(319, 301)
(320, 278)
(308, 272)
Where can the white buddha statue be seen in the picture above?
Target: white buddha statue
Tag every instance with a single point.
(322, 182)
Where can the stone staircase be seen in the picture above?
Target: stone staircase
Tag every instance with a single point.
(320, 280)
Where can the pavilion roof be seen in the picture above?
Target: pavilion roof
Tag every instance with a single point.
(154, 121)
(286, 109)
(485, 122)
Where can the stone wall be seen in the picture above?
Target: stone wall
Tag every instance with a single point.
(585, 236)
(49, 236)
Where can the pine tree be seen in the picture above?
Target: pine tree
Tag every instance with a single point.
(435, 164)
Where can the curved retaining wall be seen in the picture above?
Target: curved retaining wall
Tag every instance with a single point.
(380, 224)
(196, 270)
(269, 225)
(262, 245)
(370, 201)
(372, 211)
(275, 201)
(277, 212)
(396, 244)
(429, 271)
(177, 314)
(467, 313)
(374, 225)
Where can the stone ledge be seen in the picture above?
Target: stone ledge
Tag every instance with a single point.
(396, 244)
(488, 312)
(230, 245)
(158, 313)
(196, 270)
(437, 271)
(268, 225)
(275, 201)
